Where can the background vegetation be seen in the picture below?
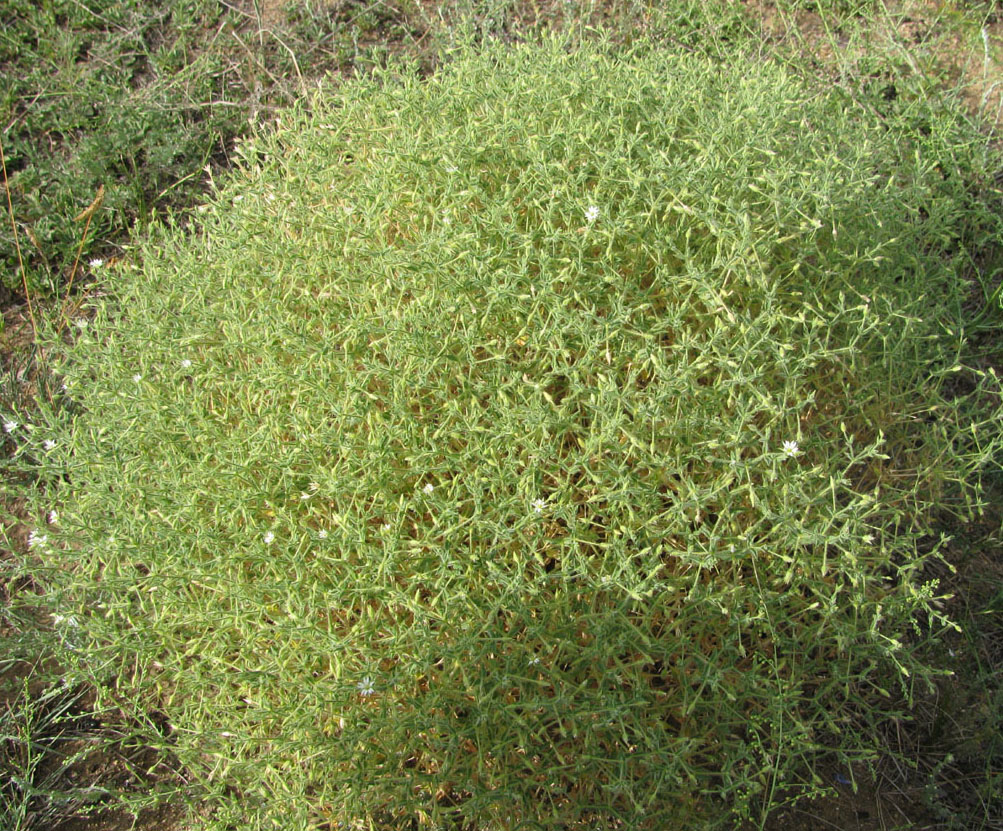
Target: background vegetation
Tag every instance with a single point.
(140, 100)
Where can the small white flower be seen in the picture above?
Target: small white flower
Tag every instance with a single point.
(37, 540)
(238, 198)
(97, 262)
(322, 534)
(429, 487)
(80, 322)
(9, 426)
(592, 214)
(186, 363)
(385, 527)
(69, 620)
(48, 444)
(539, 505)
(269, 538)
(868, 538)
(53, 517)
(791, 448)
(365, 686)
(533, 661)
(304, 496)
(137, 377)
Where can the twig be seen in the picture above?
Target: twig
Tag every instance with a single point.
(17, 243)
(86, 214)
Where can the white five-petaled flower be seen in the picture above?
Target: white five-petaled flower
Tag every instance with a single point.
(97, 262)
(186, 363)
(592, 214)
(9, 426)
(48, 444)
(539, 505)
(791, 448)
(53, 517)
(36, 540)
(322, 534)
(269, 538)
(137, 377)
(429, 487)
(365, 686)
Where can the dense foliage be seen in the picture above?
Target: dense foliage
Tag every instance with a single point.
(553, 440)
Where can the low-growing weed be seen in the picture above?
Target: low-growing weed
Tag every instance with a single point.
(63, 758)
(139, 98)
(99, 94)
(36, 728)
(557, 440)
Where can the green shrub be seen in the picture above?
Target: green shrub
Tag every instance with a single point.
(557, 440)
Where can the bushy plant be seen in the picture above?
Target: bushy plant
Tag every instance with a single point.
(554, 441)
